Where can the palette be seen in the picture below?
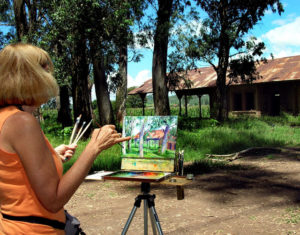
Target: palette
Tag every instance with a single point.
(141, 176)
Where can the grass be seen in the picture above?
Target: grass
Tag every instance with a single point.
(198, 138)
(109, 159)
(236, 135)
(292, 215)
(150, 153)
(193, 111)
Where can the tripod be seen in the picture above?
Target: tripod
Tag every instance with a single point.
(148, 205)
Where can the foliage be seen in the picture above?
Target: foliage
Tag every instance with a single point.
(222, 35)
(52, 127)
(8, 22)
(193, 111)
(235, 135)
(197, 138)
(134, 101)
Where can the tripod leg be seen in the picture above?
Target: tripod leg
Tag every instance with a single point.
(129, 220)
(155, 216)
(145, 217)
(153, 223)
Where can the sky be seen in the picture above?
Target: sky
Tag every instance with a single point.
(280, 33)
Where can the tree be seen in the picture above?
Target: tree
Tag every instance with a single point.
(168, 13)
(222, 37)
(126, 14)
(159, 62)
(6, 21)
(64, 35)
(134, 101)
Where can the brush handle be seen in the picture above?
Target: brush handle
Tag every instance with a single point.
(74, 129)
(79, 132)
(88, 125)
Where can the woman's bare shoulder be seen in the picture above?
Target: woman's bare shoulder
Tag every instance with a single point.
(20, 124)
(23, 119)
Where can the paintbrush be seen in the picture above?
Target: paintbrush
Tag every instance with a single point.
(88, 125)
(79, 132)
(75, 128)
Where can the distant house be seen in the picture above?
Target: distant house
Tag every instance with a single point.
(277, 90)
(171, 144)
(157, 137)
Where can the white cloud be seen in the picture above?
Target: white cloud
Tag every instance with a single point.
(284, 40)
(140, 78)
(288, 19)
(287, 34)
(280, 22)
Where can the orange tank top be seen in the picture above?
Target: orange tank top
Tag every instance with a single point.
(17, 197)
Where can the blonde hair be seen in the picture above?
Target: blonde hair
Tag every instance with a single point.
(26, 75)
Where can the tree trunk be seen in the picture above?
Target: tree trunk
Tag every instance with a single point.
(101, 87)
(143, 96)
(121, 94)
(179, 96)
(141, 139)
(159, 62)
(80, 83)
(32, 14)
(64, 112)
(223, 55)
(221, 95)
(20, 19)
(165, 138)
(186, 105)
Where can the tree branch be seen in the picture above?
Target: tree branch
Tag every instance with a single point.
(246, 152)
(6, 24)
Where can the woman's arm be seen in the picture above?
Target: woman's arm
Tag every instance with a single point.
(24, 135)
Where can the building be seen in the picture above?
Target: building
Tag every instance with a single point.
(277, 90)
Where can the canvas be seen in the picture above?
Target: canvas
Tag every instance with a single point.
(151, 136)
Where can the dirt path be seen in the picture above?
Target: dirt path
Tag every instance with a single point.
(262, 196)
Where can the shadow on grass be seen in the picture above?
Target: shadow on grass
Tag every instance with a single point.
(208, 166)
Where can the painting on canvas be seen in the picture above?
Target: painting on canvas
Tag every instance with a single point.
(152, 137)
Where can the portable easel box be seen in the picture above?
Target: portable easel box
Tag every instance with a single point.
(150, 154)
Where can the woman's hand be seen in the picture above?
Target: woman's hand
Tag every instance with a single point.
(105, 137)
(66, 152)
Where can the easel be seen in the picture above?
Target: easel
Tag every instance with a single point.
(148, 206)
(136, 167)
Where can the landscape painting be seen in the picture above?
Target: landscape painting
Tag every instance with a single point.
(151, 136)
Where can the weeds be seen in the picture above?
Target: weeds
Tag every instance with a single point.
(197, 137)
(292, 215)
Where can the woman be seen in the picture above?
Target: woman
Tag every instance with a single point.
(33, 190)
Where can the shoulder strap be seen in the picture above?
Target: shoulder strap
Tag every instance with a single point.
(36, 220)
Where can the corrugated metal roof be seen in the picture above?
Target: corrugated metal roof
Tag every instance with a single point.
(281, 69)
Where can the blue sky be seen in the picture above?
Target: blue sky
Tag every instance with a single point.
(281, 34)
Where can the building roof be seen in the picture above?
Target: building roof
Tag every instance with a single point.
(281, 69)
(156, 134)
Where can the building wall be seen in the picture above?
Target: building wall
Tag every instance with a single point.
(269, 98)
(239, 98)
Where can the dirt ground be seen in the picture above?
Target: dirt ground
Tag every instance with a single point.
(257, 194)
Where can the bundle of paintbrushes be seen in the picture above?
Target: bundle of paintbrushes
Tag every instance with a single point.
(80, 131)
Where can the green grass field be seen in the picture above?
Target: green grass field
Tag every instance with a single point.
(201, 137)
